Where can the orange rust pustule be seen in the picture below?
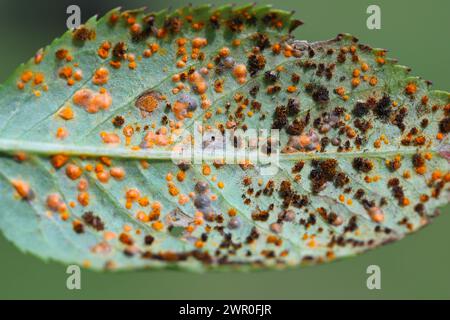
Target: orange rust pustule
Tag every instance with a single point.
(92, 101)
(148, 101)
(23, 189)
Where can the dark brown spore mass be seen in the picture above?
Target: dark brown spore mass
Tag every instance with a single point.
(362, 165)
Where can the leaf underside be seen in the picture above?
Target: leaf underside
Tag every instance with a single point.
(88, 125)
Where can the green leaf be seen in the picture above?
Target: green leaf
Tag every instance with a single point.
(91, 128)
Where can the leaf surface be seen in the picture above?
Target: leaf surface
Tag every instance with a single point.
(92, 126)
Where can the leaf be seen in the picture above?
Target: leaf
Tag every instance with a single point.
(91, 129)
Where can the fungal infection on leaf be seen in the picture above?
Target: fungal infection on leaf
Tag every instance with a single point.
(88, 129)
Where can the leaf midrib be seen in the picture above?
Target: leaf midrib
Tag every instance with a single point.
(48, 149)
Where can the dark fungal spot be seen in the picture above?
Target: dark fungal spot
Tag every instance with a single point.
(262, 40)
(418, 160)
(399, 117)
(320, 95)
(414, 131)
(341, 57)
(271, 76)
(273, 89)
(298, 201)
(235, 24)
(397, 190)
(309, 87)
(119, 51)
(293, 107)
(184, 166)
(311, 219)
(362, 165)
(164, 119)
(148, 240)
(147, 30)
(324, 142)
(359, 194)
(256, 106)
(285, 189)
(173, 24)
(444, 125)
(286, 216)
(329, 71)
(270, 18)
(251, 20)
(295, 78)
(118, 121)
(280, 118)
(219, 219)
(361, 109)
(269, 188)
(254, 235)
(383, 108)
(438, 188)
(341, 180)
(129, 252)
(83, 34)
(420, 209)
(371, 102)
(394, 165)
(324, 171)
(255, 63)
(362, 125)
(260, 215)
(296, 127)
(352, 224)
(94, 221)
(254, 91)
(78, 227)
(334, 219)
(339, 111)
(320, 70)
(214, 22)
(298, 167)
(61, 54)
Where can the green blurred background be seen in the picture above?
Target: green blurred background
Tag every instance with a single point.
(415, 32)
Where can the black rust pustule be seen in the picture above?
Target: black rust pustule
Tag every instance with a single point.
(324, 171)
(320, 95)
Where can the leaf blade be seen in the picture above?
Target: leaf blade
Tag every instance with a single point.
(301, 215)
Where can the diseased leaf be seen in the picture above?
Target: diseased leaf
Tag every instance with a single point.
(92, 127)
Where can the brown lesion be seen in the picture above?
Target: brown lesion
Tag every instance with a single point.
(148, 101)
